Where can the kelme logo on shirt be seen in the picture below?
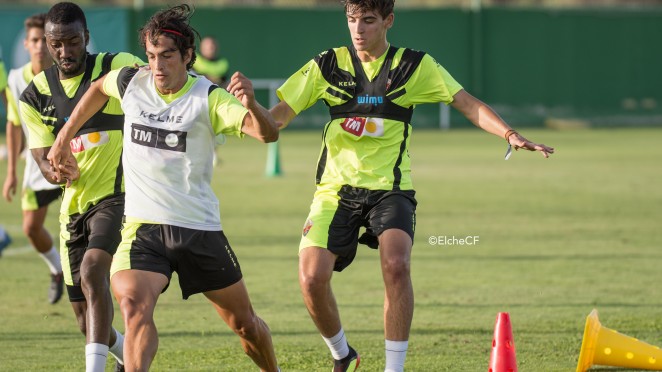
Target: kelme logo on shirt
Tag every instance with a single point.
(163, 139)
(369, 127)
(88, 141)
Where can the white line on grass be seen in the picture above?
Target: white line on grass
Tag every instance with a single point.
(17, 251)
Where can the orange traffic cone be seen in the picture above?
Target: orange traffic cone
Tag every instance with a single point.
(604, 346)
(503, 358)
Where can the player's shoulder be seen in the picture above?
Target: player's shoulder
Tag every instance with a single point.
(18, 70)
(332, 53)
(38, 85)
(123, 59)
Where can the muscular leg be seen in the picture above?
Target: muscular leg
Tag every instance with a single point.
(94, 282)
(137, 292)
(395, 253)
(33, 227)
(315, 271)
(80, 310)
(234, 307)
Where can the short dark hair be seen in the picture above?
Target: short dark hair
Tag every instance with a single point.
(65, 13)
(383, 7)
(35, 21)
(173, 23)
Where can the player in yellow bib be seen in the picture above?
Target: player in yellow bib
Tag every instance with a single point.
(363, 172)
(93, 202)
(172, 214)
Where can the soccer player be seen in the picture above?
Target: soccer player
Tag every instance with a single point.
(172, 215)
(38, 193)
(363, 173)
(209, 64)
(93, 202)
(5, 239)
(3, 81)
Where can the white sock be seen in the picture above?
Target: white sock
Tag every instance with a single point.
(396, 352)
(338, 345)
(95, 357)
(52, 259)
(117, 350)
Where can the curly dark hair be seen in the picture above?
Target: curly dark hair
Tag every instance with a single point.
(383, 7)
(66, 13)
(173, 23)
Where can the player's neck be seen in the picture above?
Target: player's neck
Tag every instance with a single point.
(39, 66)
(374, 53)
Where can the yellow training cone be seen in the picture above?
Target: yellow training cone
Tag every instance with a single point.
(606, 347)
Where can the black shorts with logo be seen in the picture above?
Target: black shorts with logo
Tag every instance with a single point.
(203, 260)
(335, 220)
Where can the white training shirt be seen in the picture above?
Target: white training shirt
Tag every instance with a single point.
(167, 156)
(32, 177)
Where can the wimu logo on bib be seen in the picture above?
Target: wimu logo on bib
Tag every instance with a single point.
(173, 140)
(88, 141)
(369, 127)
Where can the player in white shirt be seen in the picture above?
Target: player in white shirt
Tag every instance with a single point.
(37, 192)
(172, 216)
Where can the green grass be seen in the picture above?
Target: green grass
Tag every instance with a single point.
(558, 237)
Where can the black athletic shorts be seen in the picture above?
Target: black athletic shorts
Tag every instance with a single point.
(203, 260)
(336, 218)
(98, 228)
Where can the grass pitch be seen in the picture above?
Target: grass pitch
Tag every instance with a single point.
(556, 238)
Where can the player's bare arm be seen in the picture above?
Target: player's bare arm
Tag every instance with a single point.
(258, 123)
(283, 114)
(482, 116)
(14, 147)
(91, 102)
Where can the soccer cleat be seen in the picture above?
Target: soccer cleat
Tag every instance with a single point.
(349, 363)
(119, 367)
(5, 240)
(56, 289)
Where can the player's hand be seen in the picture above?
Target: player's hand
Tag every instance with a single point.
(242, 88)
(9, 187)
(59, 152)
(68, 171)
(519, 142)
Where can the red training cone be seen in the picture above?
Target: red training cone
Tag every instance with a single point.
(503, 358)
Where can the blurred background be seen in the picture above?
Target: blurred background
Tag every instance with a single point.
(540, 63)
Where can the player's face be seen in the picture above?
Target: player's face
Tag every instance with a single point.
(167, 64)
(67, 45)
(208, 48)
(368, 30)
(35, 44)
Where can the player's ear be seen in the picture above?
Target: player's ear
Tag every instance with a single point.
(389, 20)
(188, 55)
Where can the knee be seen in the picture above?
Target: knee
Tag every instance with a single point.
(31, 229)
(396, 269)
(248, 328)
(313, 282)
(94, 277)
(133, 311)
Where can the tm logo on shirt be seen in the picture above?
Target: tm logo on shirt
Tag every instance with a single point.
(369, 127)
(163, 139)
(88, 141)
